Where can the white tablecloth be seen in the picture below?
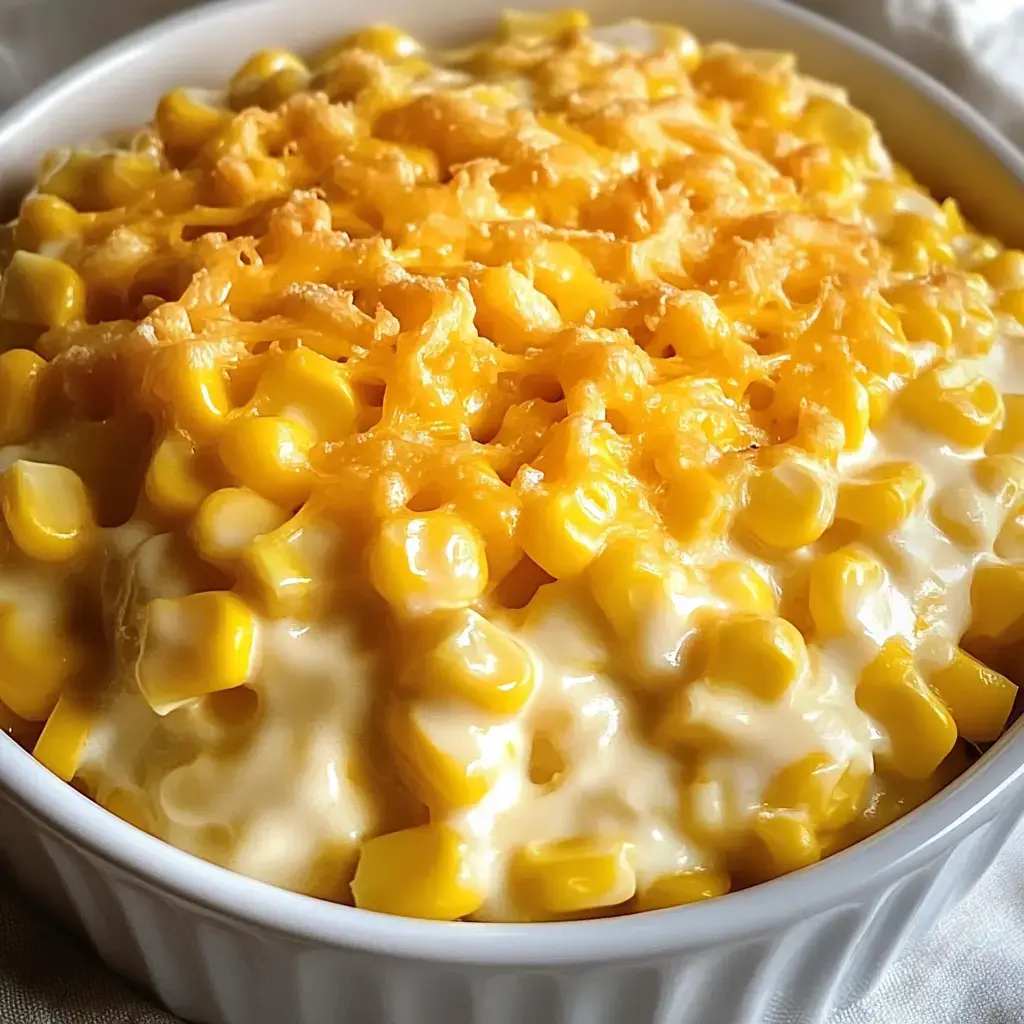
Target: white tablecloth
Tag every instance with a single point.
(971, 969)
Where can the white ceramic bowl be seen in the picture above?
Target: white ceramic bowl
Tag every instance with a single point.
(219, 948)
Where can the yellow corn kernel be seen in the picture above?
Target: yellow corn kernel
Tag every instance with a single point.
(563, 529)
(1006, 270)
(193, 646)
(48, 511)
(1012, 302)
(229, 520)
(269, 455)
(307, 387)
(36, 663)
(384, 40)
(920, 729)
(566, 277)
(763, 654)
(698, 505)
(279, 571)
(960, 513)
(997, 603)
(124, 178)
(742, 588)
(445, 758)
(816, 784)
(267, 79)
(45, 221)
(788, 841)
(176, 480)
(510, 311)
(41, 291)
(417, 872)
(427, 563)
(948, 401)
(62, 741)
(22, 374)
(186, 122)
(569, 876)
(979, 699)
(188, 382)
(789, 505)
(1009, 543)
(476, 660)
(842, 585)
(676, 890)
(883, 497)
(1001, 477)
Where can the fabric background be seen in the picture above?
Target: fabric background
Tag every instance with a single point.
(971, 969)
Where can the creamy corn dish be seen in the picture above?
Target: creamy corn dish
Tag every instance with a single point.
(573, 475)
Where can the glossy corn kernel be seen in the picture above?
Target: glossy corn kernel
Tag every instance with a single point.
(920, 730)
(563, 529)
(445, 758)
(789, 505)
(572, 875)
(882, 498)
(979, 699)
(188, 381)
(842, 585)
(418, 872)
(510, 311)
(177, 480)
(41, 291)
(62, 742)
(1001, 477)
(698, 505)
(742, 588)
(193, 646)
(1012, 302)
(428, 563)
(763, 654)
(307, 387)
(123, 179)
(829, 794)
(269, 455)
(267, 79)
(476, 661)
(22, 374)
(186, 121)
(997, 603)
(36, 663)
(961, 514)
(788, 840)
(45, 221)
(1006, 270)
(386, 41)
(676, 890)
(948, 401)
(280, 570)
(47, 510)
(1009, 543)
(229, 520)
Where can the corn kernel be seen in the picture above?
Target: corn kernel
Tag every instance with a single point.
(962, 409)
(979, 699)
(763, 654)
(386, 41)
(41, 291)
(48, 511)
(842, 585)
(278, 570)
(36, 663)
(446, 759)
(188, 381)
(62, 742)
(22, 374)
(564, 529)
(45, 221)
(698, 505)
(1001, 477)
(307, 387)
(920, 729)
(572, 875)
(267, 79)
(417, 872)
(186, 122)
(676, 890)
(741, 587)
(1009, 543)
(176, 480)
(997, 603)
(477, 661)
(883, 497)
(193, 646)
(788, 841)
(1012, 302)
(510, 311)
(789, 505)
(961, 514)
(229, 520)
(269, 455)
(125, 178)
(1006, 270)
(820, 787)
(430, 562)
